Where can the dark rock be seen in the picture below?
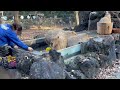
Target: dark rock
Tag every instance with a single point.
(57, 58)
(112, 53)
(104, 61)
(83, 66)
(92, 46)
(5, 51)
(118, 55)
(117, 49)
(93, 24)
(89, 67)
(73, 64)
(78, 74)
(54, 55)
(24, 61)
(116, 23)
(46, 70)
(92, 54)
(69, 75)
(4, 62)
(83, 47)
(103, 45)
(54, 67)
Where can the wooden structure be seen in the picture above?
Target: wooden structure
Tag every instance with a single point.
(1, 13)
(16, 17)
(104, 28)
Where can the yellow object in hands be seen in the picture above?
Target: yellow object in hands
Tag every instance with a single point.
(48, 49)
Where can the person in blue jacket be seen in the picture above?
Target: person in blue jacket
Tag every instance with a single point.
(9, 37)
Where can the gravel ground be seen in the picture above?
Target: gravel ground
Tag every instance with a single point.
(110, 72)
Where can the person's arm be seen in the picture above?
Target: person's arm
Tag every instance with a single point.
(13, 37)
(11, 44)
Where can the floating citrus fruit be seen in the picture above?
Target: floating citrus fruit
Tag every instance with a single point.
(48, 49)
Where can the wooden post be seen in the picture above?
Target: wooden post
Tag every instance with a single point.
(1, 20)
(2, 13)
(104, 28)
(77, 17)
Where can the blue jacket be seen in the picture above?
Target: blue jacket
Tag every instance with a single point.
(8, 36)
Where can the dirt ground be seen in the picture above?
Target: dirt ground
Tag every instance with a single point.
(30, 34)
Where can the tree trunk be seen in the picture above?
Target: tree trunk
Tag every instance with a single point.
(16, 17)
(0, 20)
(1, 14)
(84, 17)
(77, 17)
